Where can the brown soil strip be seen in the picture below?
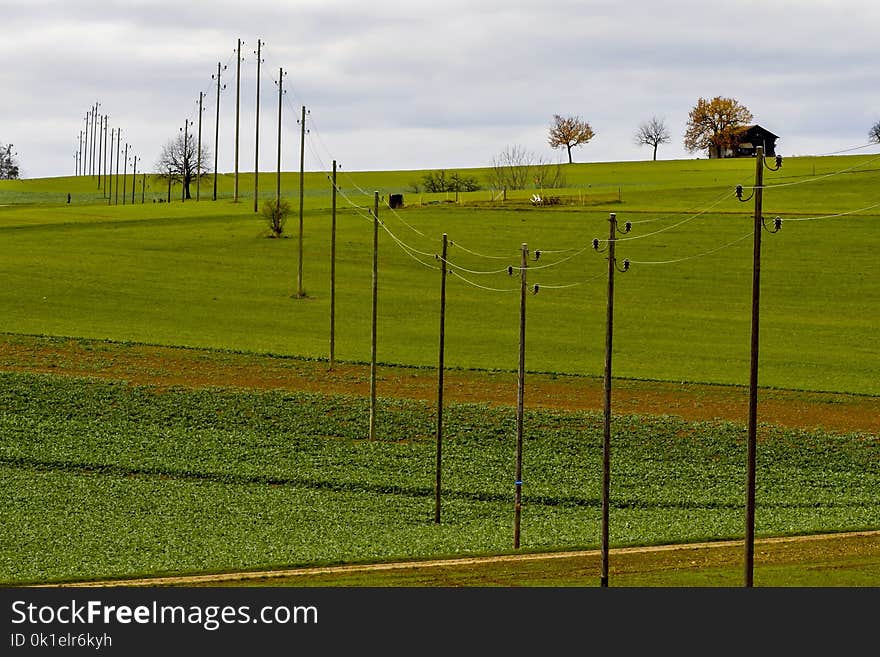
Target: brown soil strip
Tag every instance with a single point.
(170, 366)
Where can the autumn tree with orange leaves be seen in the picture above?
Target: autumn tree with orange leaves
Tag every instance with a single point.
(569, 131)
(713, 125)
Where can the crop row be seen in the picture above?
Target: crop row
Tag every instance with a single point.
(159, 465)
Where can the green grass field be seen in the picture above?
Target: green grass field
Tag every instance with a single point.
(203, 274)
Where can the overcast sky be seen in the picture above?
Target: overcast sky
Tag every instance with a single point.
(412, 85)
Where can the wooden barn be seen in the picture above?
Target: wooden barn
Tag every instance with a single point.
(749, 137)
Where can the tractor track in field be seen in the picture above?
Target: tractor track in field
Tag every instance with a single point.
(231, 578)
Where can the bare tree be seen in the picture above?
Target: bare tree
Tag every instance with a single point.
(874, 133)
(652, 133)
(179, 160)
(8, 164)
(569, 131)
(511, 168)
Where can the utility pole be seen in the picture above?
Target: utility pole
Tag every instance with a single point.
(106, 169)
(375, 287)
(143, 187)
(217, 127)
(84, 158)
(237, 105)
(758, 194)
(753, 373)
(134, 161)
(118, 140)
(88, 157)
(110, 168)
(440, 368)
(124, 174)
(199, 152)
(333, 270)
(94, 135)
(606, 434)
(257, 133)
(302, 145)
(520, 391)
(79, 161)
(185, 172)
(100, 147)
(278, 174)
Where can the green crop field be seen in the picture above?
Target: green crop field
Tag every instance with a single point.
(109, 479)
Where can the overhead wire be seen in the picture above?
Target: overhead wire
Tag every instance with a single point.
(690, 257)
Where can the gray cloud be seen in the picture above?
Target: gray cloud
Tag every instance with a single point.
(419, 84)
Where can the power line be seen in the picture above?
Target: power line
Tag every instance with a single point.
(834, 216)
(690, 257)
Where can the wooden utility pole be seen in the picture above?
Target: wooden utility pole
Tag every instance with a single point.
(606, 434)
(125, 174)
(278, 174)
(520, 393)
(185, 164)
(106, 123)
(118, 142)
(100, 147)
(110, 168)
(375, 287)
(302, 146)
(333, 270)
(753, 373)
(134, 161)
(143, 187)
(217, 129)
(237, 106)
(440, 368)
(257, 134)
(199, 149)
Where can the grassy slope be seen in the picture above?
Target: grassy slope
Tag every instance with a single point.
(202, 275)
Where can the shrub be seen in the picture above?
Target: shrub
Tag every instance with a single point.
(275, 213)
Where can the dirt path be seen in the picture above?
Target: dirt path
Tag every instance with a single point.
(292, 573)
(169, 366)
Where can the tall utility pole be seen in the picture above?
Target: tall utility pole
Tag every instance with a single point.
(753, 373)
(520, 390)
(375, 296)
(86, 151)
(83, 147)
(302, 149)
(257, 133)
(94, 135)
(217, 127)
(440, 367)
(606, 434)
(237, 105)
(79, 156)
(118, 140)
(278, 174)
(199, 151)
(110, 168)
(333, 270)
(106, 168)
(101, 120)
(124, 174)
(134, 161)
(183, 176)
